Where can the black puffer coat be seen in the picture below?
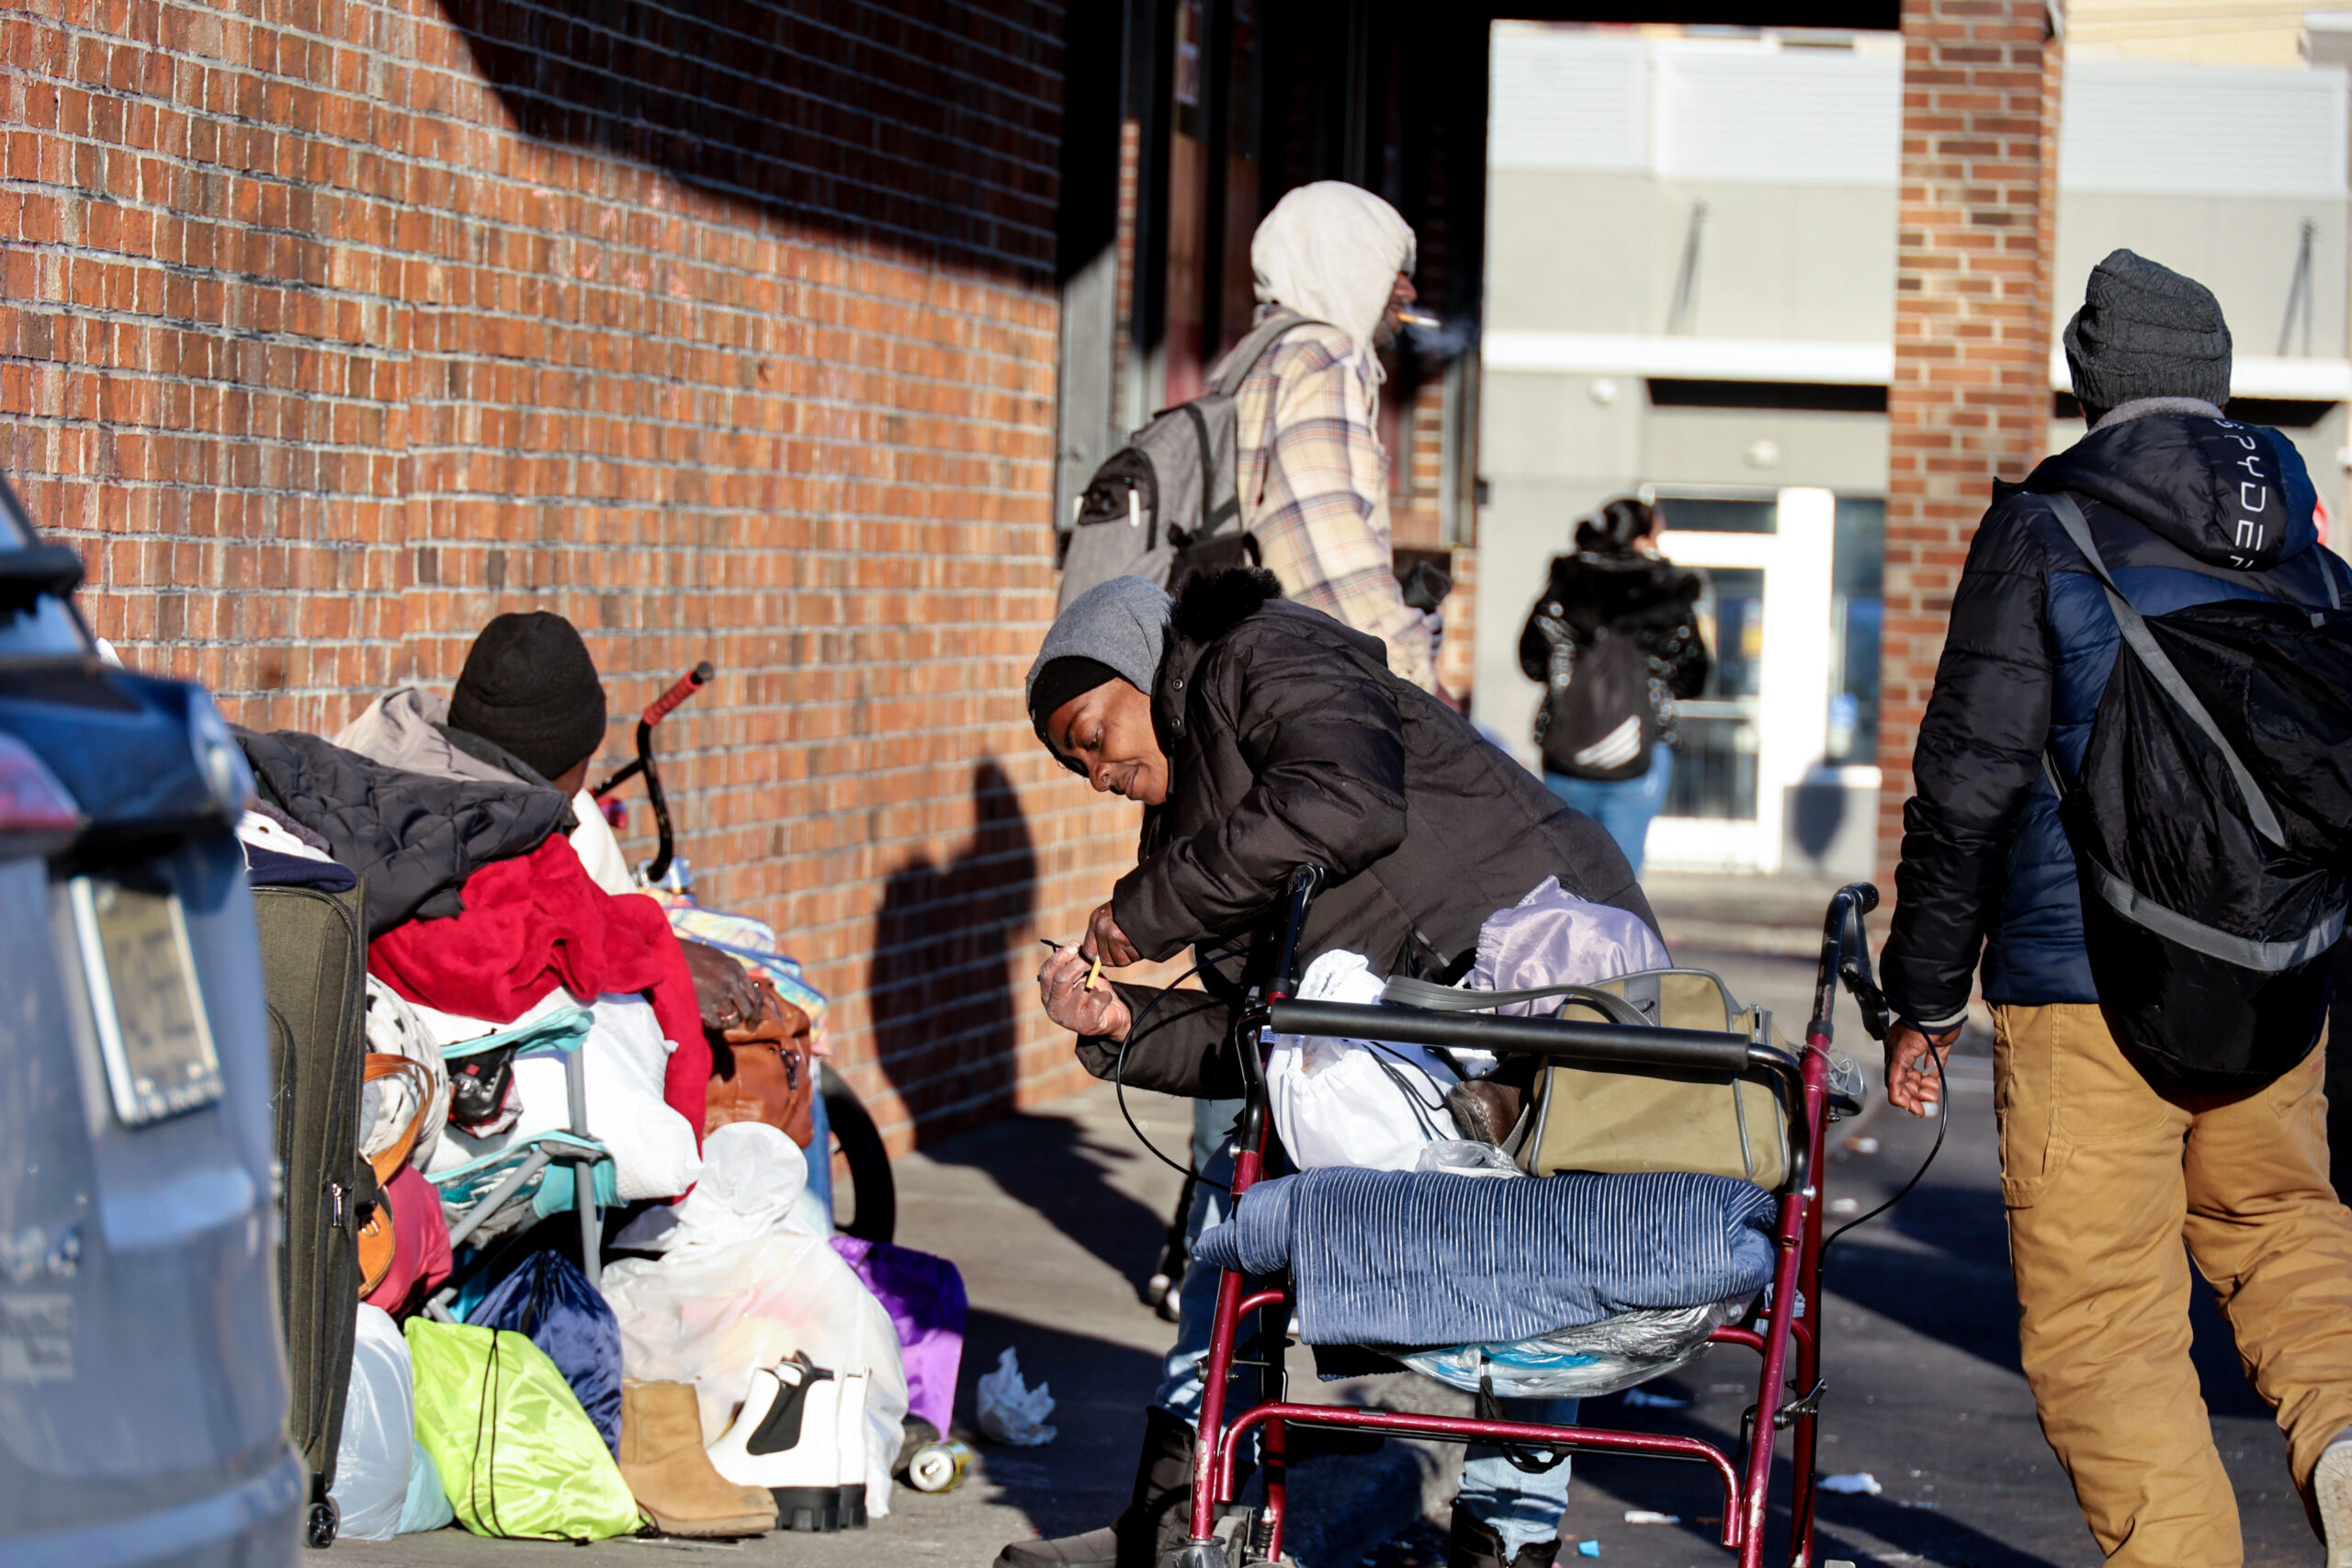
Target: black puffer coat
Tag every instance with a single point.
(1985, 860)
(1644, 597)
(1289, 741)
(415, 838)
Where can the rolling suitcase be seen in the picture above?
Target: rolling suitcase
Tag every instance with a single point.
(314, 969)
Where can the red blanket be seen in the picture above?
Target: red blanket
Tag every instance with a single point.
(534, 923)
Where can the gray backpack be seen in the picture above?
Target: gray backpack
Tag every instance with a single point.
(1165, 506)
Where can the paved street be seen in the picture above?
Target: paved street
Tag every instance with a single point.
(1055, 1215)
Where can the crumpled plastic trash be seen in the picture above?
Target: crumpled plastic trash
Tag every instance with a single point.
(1010, 1411)
(1859, 1482)
(1587, 1548)
(1651, 1517)
(1463, 1157)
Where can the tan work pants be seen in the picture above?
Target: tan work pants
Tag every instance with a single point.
(2103, 1176)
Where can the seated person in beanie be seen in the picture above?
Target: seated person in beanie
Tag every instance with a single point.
(529, 708)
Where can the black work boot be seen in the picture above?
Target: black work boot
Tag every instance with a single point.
(1473, 1543)
(1158, 1520)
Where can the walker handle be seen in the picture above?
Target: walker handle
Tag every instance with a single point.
(1615, 1044)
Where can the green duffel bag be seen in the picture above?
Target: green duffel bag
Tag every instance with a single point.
(517, 1455)
(1612, 1120)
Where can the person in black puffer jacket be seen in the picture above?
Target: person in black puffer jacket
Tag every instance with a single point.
(2104, 1172)
(1615, 585)
(1275, 735)
(1259, 734)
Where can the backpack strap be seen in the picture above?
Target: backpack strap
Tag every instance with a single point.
(1235, 366)
(1404, 991)
(2135, 627)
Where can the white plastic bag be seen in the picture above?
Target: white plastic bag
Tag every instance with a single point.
(1011, 1412)
(427, 1508)
(1358, 1103)
(371, 1462)
(743, 1283)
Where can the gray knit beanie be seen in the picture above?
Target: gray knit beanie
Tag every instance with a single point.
(2146, 332)
(1119, 628)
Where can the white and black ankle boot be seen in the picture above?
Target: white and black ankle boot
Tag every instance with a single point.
(849, 1439)
(788, 1439)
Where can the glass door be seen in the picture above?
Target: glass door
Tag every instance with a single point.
(1762, 724)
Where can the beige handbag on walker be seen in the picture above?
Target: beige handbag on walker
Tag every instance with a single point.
(1617, 1120)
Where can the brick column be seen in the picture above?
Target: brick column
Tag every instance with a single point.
(1972, 322)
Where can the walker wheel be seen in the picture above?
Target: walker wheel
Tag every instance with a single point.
(324, 1522)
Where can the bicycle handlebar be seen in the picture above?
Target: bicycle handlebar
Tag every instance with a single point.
(687, 685)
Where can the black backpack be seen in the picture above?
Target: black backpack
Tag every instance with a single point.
(1166, 506)
(1603, 725)
(2211, 825)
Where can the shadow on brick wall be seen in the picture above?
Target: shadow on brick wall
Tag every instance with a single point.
(935, 128)
(943, 999)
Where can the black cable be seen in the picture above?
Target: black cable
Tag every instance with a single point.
(1119, 1071)
(1943, 1123)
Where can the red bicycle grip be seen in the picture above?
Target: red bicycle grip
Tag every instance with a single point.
(686, 687)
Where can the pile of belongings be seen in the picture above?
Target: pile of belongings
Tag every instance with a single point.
(524, 997)
(1402, 1237)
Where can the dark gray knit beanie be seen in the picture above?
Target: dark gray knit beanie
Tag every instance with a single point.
(529, 685)
(2146, 332)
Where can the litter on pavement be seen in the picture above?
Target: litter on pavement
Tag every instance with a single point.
(1011, 1412)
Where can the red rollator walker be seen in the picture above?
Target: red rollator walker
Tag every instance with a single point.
(1784, 1329)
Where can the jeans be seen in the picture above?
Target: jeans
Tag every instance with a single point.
(1518, 1508)
(1624, 807)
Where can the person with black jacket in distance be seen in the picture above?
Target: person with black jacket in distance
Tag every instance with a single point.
(2107, 1161)
(1259, 736)
(1615, 641)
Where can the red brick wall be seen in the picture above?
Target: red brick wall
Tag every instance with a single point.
(1971, 395)
(331, 328)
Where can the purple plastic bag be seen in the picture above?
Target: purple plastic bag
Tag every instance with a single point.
(925, 1299)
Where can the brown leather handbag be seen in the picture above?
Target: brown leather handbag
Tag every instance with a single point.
(763, 1070)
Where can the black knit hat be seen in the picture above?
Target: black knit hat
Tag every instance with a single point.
(1072, 675)
(2146, 332)
(529, 685)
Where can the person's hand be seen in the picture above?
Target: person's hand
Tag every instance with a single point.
(1912, 1080)
(1061, 984)
(723, 988)
(1103, 936)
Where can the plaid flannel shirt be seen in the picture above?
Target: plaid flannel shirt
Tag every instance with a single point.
(1314, 489)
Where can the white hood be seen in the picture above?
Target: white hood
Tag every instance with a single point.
(1332, 251)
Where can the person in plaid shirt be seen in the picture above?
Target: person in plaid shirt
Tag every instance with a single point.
(1311, 472)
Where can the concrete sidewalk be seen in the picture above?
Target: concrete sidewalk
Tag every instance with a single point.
(1056, 1217)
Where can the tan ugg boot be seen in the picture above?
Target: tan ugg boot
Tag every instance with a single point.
(663, 1463)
